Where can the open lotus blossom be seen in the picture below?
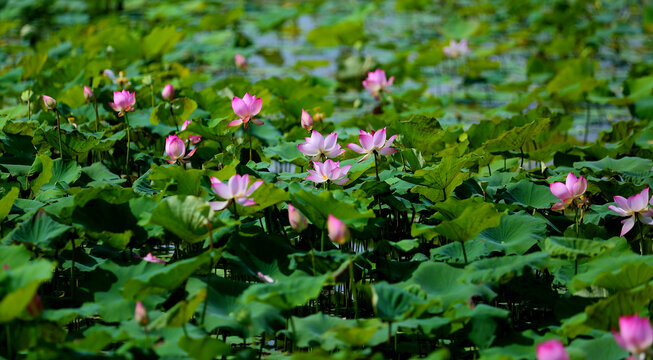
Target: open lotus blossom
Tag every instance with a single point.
(329, 171)
(338, 231)
(373, 142)
(140, 314)
(235, 190)
(635, 335)
(307, 120)
(551, 350)
(49, 102)
(635, 207)
(193, 138)
(320, 147)
(123, 101)
(376, 82)
(246, 108)
(176, 149)
(573, 188)
(241, 62)
(168, 92)
(88, 93)
(456, 49)
(153, 259)
(297, 221)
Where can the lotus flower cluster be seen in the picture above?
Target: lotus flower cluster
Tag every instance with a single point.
(246, 109)
(635, 336)
(192, 138)
(176, 149)
(123, 102)
(376, 82)
(573, 189)
(373, 142)
(329, 171)
(636, 208)
(236, 190)
(338, 231)
(456, 49)
(551, 350)
(319, 147)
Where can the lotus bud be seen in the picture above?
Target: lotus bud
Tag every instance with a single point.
(88, 93)
(297, 221)
(140, 314)
(168, 92)
(551, 350)
(307, 120)
(241, 62)
(338, 231)
(635, 335)
(50, 103)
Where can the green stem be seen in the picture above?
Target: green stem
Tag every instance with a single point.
(351, 285)
(250, 142)
(587, 123)
(322, 240)
(128, 145)
(59, 133)
(72, 273)
(642, 241)
(376, 166)
(464, 252)
(97, 118)
(152, 93)
(294, 332)
(235, 210)
(29, 112)
(208, 278)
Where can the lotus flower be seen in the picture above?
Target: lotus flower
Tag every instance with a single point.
(318, 146)
(140, 314)
(246, 108)
(373, 143)
(329, 171)
(168, 92)
(235, 190)
(551, 350)
(123, 101)
(176, 149)
(88, 93)
(455, 49)
(635, 336)
(264, 278)
(297, 221)
(193, 138)
(376, 82)
(50, 103)
(153, 259)
(338, 231)
(241, 62)
(307, 120)
(636, 207)
(573, 188)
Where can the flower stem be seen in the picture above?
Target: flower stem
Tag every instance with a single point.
(29, 113)
(642, 241)
(464, 252)
(97, 118)
(128, 145)
(72, 273)
(250, 142)
(376, 166)
(208, 278)
(59, 133)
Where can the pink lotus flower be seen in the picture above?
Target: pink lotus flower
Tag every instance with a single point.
(551, 350)
(376, 82)
(573, 188)
(264, 278)
(306, 120)
(176, 149)
(297, 221)
(241, 62)
(338, 231)
(153, 259)
(635, 336)
(88, 93)
(140, 314)
(123, 101)
(329, 171)
(318, 146)
(50, 103)
(373, 143)
(456, 49)
(636, 207)
(193, 138)
(246, 108)
(168, 92)
(235, 190)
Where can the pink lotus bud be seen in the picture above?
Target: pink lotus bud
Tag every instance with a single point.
(240, 61)
(338, 231)
(168, 92)
(140, 314)
(297, 221)
(153, 259)
(264, 277)
(635, 336)
(307, 120)
(35, 307)
(175, 148)
(88, 93)
(50, 103)
(551, 350)
(193, 138)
